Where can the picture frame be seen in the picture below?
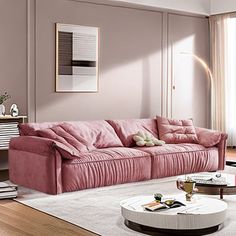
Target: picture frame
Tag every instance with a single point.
(77, 58)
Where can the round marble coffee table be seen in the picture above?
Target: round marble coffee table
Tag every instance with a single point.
(201, 216)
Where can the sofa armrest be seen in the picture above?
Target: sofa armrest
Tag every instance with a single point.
(35, 163)
(44, 146)
(209, 138)
(222, 147)
(32, 144)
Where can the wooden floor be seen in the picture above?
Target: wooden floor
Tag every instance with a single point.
(17, 219)
(231, 154)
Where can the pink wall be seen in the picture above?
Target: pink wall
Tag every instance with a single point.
(13, 53)
(134, 60)
(130, 62)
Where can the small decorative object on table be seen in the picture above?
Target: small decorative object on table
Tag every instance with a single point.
(188, 186)
(158, 196)
(14, 111)
(3, 98)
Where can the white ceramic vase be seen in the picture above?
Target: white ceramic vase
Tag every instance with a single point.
(2, 110)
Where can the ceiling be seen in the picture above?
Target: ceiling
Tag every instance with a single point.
(202, 7)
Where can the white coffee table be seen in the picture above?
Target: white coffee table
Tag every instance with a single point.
(202, 215)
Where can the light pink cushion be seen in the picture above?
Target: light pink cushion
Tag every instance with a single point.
(97, 134)
(67, 145)
(208, 138)
(29, 129)
(125, 129)
(176, 131)
(57, 133)
(66, 151)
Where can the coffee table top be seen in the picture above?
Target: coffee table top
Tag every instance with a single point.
(228, 189)
(230, 179)
(200, 213)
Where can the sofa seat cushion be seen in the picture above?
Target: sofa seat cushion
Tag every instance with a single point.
(176, 159)
(102, 167)
(126, 129)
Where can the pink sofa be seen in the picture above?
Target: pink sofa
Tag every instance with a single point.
(69, 156)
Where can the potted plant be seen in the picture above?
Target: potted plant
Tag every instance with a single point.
(3, 98)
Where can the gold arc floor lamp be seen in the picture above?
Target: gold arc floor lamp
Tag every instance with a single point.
(210, 76)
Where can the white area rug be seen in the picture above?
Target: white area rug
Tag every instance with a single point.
(98, 210)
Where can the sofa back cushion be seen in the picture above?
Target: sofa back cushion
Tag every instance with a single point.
(29, 129)
(93, 134)
(176, 131)
(97, 133)
(59, 134)
(126, 129)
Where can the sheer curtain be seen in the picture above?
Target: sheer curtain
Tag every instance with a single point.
(218, 42)
(230, 82)
(223, 60)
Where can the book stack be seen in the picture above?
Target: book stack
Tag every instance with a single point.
(7, 131)
(156, 205)
(7, 190)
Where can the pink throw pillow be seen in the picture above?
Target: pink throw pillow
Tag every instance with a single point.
(57, 133)
(176, 131)
(67, 145)
(126, 129)
(207, 137)
(30, 129)
(94, 134)
(99, 134)
(67, 152)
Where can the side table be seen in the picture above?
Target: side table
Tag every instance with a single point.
(8, 129)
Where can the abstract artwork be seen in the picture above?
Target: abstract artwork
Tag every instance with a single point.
(76, 58)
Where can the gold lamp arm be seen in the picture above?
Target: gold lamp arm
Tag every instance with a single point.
(210, 76)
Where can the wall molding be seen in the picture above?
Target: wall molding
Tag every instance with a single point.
(164, 90)
(143, 7)
(169, 81)
(31, 60)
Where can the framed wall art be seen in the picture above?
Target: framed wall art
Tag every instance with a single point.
(76, 58)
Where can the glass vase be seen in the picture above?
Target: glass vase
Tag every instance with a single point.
(2, 110)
